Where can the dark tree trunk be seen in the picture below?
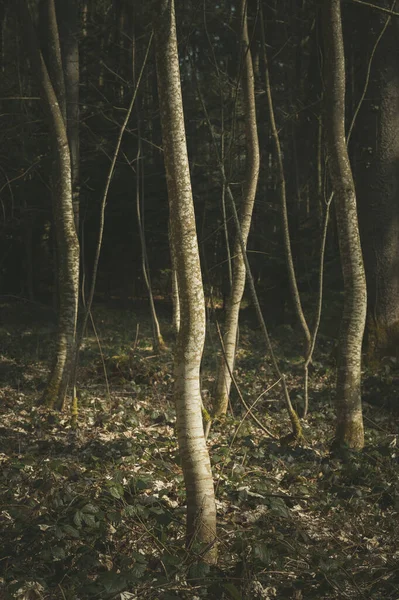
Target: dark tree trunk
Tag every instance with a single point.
(377, 177)
(349, 429)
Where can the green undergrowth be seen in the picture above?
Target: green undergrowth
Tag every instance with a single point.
(98, 512)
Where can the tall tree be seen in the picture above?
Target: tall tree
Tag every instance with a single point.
(226, 365)
(201, 510)
(283, 203)
(68, 20)
(349, 429)
(377, 177)
(51, 82)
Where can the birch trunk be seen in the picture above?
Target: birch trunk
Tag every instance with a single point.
(201, 510)
(226, 364)
(67, 246)
(283, 204)
(68, 19)
(349, 428)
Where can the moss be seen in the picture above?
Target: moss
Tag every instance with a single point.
(205, 415)
(296, 435)
(74, 412)
(220, 404)
(349, 436)
(159, 345)
(50, 395)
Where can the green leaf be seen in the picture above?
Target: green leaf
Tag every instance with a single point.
(116, 491)
(71, 531)
(232, 590)
(89, 519)
(279, 507)
(138, 570)
(138, 557)
(142, 484)
(199, 570)
(77, 519)
(59, 534)
(172, 560)
(157, 510)
(90, 508)
(262, 552)
(58, 552)
(217, 458)
(112, 582)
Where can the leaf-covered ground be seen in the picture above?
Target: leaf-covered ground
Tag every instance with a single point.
(98, 512)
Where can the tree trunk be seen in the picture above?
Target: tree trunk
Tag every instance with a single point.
(68, 19)
(349, 428)
(175, 288)
(157, 339)
(377, 178)
(283, 204)
(65, 233)
(226, 365)
(201, 510)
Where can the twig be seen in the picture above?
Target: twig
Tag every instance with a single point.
(380, 8)
(248, 409)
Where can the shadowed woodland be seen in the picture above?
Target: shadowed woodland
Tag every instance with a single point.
(199, 283)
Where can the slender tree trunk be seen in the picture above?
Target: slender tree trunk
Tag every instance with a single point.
(158, 342)
(68, 19)
(65, 233)
(201, 510)
(157, 339)
(283, 204)
(349, 429)
(226, 365)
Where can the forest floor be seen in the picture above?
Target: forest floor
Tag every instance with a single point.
(97, 512)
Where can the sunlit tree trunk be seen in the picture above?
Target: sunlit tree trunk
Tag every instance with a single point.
(65, 233)
(175, 289)
(201, 510)
(68, 19)
(349, 429)
(226, 365)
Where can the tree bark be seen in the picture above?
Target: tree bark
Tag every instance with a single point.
(283, 204)
(175, 288)
(201, 510)
(377, 178)
(349, 428)
(68, 19)
(66, 238)
(226, 364)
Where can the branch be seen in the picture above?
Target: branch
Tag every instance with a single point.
(380, 8)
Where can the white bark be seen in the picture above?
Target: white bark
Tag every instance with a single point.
(50, 79)
(201, 510)
(226, 364)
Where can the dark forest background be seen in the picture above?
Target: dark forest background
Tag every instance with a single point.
(92, 496)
